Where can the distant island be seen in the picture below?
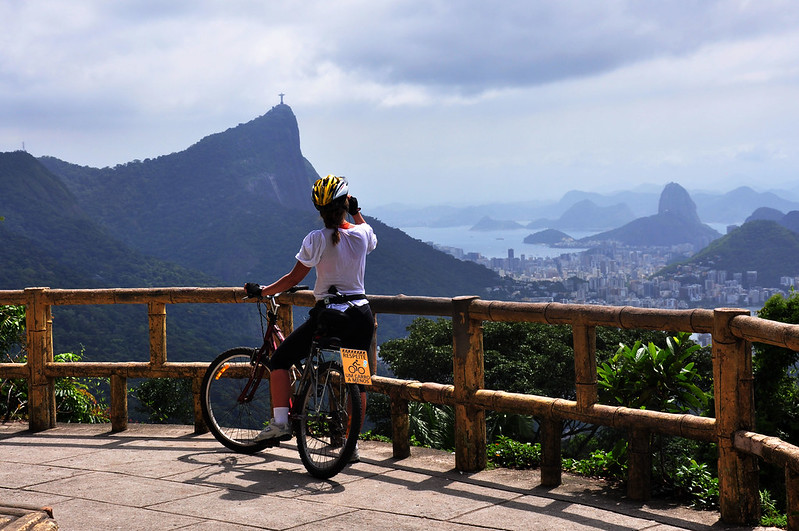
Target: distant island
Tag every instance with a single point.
(488, 224)
(548, 237)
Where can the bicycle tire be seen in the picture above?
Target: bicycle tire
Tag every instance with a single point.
(328, 421)
(235, 424)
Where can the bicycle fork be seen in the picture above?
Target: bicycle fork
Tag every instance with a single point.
(248, 392)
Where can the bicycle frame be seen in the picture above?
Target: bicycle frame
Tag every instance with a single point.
(273, 337)
(309, 373)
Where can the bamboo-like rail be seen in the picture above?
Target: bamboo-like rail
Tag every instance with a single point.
(732, 330)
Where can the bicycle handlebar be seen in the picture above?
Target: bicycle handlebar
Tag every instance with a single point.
(292, 289)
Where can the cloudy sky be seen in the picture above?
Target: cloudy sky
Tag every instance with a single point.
(421, 101)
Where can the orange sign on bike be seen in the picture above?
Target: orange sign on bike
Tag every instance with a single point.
(356, 366)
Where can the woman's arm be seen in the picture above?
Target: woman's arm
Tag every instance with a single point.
(290, 279)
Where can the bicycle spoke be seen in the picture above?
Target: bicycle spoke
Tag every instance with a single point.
(328, 427)
(235, 400)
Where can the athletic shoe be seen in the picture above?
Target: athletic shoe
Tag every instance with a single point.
(274, 431)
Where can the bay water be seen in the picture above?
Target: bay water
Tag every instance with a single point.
(490, 244)
(495, 243)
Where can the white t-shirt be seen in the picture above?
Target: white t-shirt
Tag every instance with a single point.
(340, 265)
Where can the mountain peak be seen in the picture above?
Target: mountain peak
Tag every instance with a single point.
(676, 201)
(675, 223)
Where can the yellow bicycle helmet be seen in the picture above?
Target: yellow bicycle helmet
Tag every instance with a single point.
(328, 189)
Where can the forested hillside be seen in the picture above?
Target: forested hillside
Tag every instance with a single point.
(761, 245)
(48, 240)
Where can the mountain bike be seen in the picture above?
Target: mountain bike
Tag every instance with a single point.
(325, 410)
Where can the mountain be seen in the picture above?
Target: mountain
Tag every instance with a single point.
(760, 245)
(766, 213)
(790, 220)
(713, 207)
(236, 205)
(402, 215)
(676, 201)
(260, 159)
(182, 207)
(48, 240)
(641, 202)
(676, 223)
(587, 215)
(733, 205)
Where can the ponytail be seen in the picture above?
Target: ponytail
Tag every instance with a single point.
(333, 215)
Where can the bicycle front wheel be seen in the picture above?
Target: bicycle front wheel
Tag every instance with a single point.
(236, 401)
(328, 421)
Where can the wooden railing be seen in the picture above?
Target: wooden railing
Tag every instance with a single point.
(732, 428)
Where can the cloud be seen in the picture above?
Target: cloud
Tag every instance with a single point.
(561, 93)
(477, 46)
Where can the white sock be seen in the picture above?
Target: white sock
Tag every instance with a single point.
(281, 415)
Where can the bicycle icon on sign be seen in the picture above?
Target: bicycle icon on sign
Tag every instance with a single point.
(356, 366)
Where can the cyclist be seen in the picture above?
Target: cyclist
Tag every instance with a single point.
(339, 254)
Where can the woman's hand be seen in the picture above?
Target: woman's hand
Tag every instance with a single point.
(252, 289)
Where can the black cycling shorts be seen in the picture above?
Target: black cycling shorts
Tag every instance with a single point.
(297, 345)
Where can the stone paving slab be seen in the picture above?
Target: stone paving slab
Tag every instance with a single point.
(165, 477)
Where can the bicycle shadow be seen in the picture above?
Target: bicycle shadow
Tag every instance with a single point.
(268, 473)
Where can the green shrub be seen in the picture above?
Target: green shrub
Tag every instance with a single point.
(599, 464)
(770, 515)
(372, 436)
(76, 398)
(694, 481)
(507, 453)
(655, 378)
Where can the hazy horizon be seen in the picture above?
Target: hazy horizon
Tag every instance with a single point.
(418, 102)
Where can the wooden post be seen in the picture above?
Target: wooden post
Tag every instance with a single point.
(470, 425)
(156, 312)
(639, 477)
(400, 428)
(51, 357)
(285, 318)
(792, 497)
(551, 463)
(200, 426)
(119, 403)
(584, 338)
(41, 389)
(373, 351)
(739, 499)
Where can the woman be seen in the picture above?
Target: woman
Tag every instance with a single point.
(339, 254)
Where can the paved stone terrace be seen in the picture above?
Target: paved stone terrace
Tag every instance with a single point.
(165, 477)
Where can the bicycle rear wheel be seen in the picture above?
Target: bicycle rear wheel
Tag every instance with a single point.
(328, 421)
(233, 415)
